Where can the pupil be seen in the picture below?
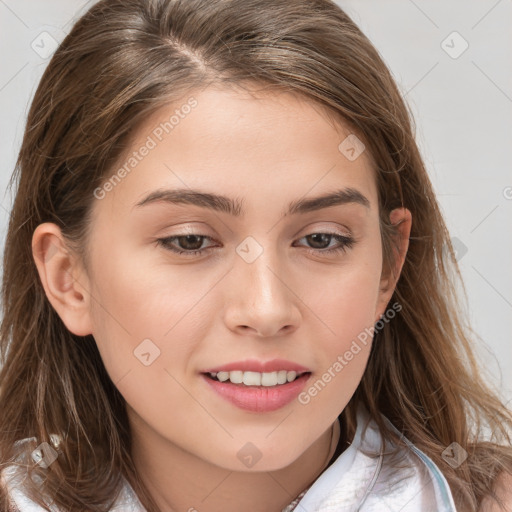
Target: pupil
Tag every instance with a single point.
(318, 236)
(187, 239)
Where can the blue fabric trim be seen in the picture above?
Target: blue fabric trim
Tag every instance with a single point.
(442, 484)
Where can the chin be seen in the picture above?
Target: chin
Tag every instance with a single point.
(249, 458)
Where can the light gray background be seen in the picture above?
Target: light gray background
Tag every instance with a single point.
(463, 111)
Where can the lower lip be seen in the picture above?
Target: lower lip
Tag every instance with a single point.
(259, 398)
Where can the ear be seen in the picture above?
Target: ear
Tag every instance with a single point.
(63, 278)
(402, 219)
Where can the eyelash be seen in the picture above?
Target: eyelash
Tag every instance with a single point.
(347, 243)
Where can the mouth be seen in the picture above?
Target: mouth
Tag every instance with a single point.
(257, 392)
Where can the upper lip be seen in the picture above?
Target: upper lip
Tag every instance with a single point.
(253, 365)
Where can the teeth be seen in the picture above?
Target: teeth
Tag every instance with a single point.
(256, 378)
(251, 378)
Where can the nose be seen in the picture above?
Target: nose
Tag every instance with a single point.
(261, 300)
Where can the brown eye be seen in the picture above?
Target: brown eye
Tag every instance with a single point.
(187, 244)
(320, 242)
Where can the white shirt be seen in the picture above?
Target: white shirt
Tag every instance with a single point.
(361, 479)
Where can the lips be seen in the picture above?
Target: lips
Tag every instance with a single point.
(258, 386)
(258, 399)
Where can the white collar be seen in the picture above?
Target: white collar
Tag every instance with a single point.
(361, 479)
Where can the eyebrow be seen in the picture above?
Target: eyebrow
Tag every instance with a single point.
(234, 207)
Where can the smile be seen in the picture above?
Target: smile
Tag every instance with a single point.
(257, 392)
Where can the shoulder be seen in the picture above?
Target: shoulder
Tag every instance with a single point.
(14, 477)
(503, 489)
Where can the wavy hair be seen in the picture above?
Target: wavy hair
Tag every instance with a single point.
(122, 61)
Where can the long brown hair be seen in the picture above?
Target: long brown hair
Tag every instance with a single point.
(123, 60)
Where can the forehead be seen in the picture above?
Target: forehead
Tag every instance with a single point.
(260, 145)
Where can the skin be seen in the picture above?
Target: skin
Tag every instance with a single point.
(292, 302)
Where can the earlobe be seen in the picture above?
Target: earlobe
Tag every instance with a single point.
(62, 277)
(402, 219)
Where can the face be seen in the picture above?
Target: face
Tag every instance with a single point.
(179, 286)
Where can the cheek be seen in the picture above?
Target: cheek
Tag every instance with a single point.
(146, 331)
(139, 308)
(345, 298)
(344, 302)
(348, 310)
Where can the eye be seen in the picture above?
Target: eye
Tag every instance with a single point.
(344, 242)
(191, 244)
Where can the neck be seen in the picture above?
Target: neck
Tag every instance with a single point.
(178, 480)
(335, 441)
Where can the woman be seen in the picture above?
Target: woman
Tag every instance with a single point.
(227, 282)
